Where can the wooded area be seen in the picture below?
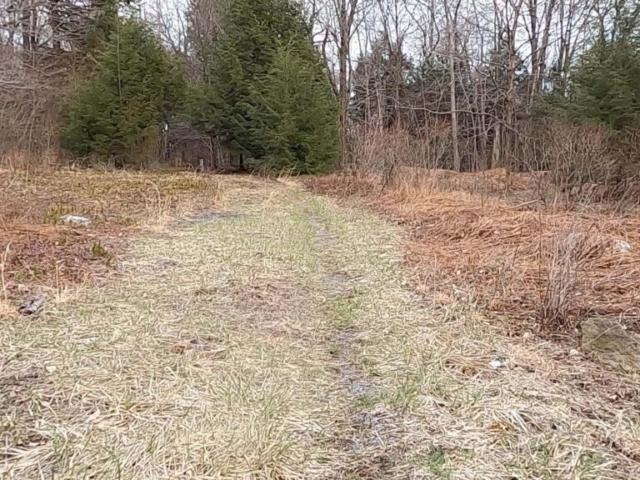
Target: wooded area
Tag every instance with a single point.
(460, 84)
(433, 273)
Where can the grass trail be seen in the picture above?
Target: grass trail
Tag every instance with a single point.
(280, 341)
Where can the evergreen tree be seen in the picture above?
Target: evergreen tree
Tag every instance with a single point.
(259, 42)
(606, 84)
(101, 24)
(293, 113)
(135, 86)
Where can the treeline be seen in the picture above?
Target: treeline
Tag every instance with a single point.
(458, 84)
(524, 85)
(260, 88)
(583, 127)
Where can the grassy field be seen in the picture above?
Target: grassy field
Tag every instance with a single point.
(40, 254)
(269, 333)
(505, 243)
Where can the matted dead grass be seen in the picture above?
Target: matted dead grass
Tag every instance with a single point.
(39, 253)
(544, 412)
(493, 400)
(203, 359)
(281, 340)
(468, 243)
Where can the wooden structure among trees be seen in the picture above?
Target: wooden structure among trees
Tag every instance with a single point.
(183, 146)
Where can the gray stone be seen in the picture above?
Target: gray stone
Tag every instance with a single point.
(76, 220)
(621, 246)
(32, 305)
(608, 342)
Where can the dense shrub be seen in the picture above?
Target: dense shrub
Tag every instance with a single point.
(265, 91)
(135, 87)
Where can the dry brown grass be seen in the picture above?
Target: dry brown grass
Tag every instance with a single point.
(472, 237)
(206, 358)
(280, 342)
(39, 253)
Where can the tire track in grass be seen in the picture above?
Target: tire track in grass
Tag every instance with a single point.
(370, 438)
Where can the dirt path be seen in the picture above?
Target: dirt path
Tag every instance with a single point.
(281, 340)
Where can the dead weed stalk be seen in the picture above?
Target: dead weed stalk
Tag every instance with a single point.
(565, 269)
(3, 262)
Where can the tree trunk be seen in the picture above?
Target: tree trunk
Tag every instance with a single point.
(496, 156)
(346, 12)
(344, 108)
(452, 92)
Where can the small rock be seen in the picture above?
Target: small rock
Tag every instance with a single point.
(609, 343)
(76, 220)
(621, 246)
(93, 417)
(31, 305)
(496, 364)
